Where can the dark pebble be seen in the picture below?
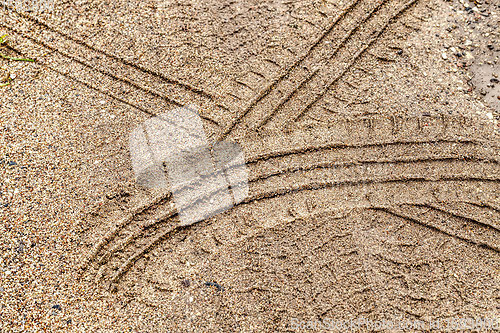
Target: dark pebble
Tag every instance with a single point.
(57, 307)
(186, 283)
(494, 80)
(11, 163)
(216, 285)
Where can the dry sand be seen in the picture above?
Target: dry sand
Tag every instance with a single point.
(373, 156)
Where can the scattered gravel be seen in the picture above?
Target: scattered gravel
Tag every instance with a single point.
(472, 38)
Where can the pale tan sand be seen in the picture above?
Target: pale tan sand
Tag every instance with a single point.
(102, 69)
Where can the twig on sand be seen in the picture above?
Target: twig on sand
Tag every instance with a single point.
(3, 40)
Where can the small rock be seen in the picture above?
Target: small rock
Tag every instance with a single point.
(57, 307)
(468, 42)
(186, 283)
(444, 55)
(11, 163)
(489, 115)
(494, 80)
(468, 56)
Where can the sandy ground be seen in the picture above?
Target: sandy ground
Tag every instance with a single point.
(371, 135)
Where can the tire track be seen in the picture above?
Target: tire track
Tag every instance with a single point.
(115, 97)
(283, 76)
(402, 271)
(295, 158)
(129, 99)
(385, 154)
(330, 57)
(152, 225)
(478, 210)
(306, 100)
(110, 68)
(68, 38)
(122, 81)
(314, 165)
(467, 219)
(274, 194)
(451, 227)
(325, 66)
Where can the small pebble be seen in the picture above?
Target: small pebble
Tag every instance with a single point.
(57, 307)
(444, 56)
(468, 56)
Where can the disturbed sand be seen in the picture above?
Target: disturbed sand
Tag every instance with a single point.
(372, 150)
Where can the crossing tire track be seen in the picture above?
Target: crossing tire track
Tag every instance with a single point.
(113, 76)
(87, 46)
(326, 63)
(283, 76)
(110, 75)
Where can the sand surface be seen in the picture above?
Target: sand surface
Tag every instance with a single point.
(370, 132)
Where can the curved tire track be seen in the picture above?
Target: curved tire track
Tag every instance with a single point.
(430, 165)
